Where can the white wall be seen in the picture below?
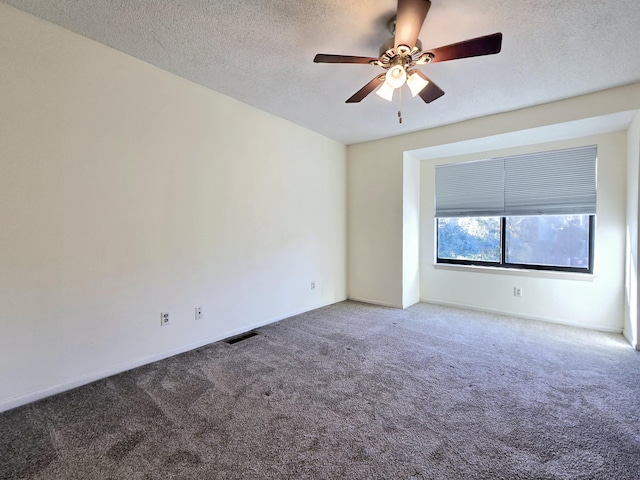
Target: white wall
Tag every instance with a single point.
(377, 198)
(632, 319)
(375, 223)
(594, 301)
(126, 191)
(410, 231)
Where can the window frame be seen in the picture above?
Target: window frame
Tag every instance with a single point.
(521, 266)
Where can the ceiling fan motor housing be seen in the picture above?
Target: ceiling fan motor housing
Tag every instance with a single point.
(387, 49)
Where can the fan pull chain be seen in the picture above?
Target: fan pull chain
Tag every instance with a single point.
(400, 105)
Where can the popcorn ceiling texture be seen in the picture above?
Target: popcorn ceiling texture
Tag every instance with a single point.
(261, 53)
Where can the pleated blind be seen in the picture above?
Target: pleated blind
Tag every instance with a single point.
(556, 182)
(470, 189)
(559, 182)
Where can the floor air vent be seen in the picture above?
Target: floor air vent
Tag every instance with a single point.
(239, 338)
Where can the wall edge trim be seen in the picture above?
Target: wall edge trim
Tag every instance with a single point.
(557, 321)
(375, 302)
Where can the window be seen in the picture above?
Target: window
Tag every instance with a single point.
(533, 211)
(469, 239)
(551, 241)
(544, 242)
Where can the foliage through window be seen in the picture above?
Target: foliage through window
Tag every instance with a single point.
(546, 242)
(474, 239)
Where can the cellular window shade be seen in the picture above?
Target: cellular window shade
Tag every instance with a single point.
(561, 182)
(470, 189)
(557, 182)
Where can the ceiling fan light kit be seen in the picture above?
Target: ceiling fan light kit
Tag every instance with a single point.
(396, 76)
(401, 54)
(385, 91)
(416, 83)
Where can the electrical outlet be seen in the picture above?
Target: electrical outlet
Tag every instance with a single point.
(517, 292)
(198, 313)
(313, 285)
(164, 318)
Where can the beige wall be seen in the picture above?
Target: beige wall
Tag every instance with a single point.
(126, 191)
(378, 197)
(594, 301)
(631, 319)
(374, 233)
(410, 231)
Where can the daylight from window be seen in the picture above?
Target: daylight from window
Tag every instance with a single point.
(530, 211)
(540, 240)
(555, 240)
(469, 238)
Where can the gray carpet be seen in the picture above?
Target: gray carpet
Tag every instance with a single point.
(352, 391)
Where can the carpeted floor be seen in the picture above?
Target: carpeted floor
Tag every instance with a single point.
(352, 391)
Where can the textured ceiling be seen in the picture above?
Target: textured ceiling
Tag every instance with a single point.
(260, 52)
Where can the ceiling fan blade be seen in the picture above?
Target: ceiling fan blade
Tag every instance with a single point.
(409, 20)
(475, 47)
(366, 90)
(431, 92)
(325, 58)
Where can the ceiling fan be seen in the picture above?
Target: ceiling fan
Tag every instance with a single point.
(401, 54)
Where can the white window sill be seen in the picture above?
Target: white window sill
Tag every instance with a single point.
(517, 272)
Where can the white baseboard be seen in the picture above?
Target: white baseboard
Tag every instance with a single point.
(557, 321)
(50, 390)
(374, 302)
(630, 340)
